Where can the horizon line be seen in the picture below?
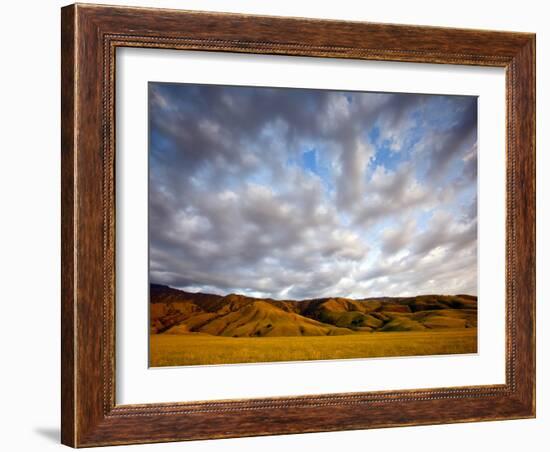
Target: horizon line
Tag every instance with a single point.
(313, 298)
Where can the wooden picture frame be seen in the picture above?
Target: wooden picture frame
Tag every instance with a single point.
(90, 36)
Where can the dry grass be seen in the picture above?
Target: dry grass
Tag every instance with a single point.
(201, 349)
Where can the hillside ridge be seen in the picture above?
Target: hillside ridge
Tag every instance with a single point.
(174, 311)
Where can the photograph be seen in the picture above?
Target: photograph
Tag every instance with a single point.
(280, 222)
(291, 224)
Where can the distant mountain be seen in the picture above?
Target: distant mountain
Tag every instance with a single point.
(175, 311)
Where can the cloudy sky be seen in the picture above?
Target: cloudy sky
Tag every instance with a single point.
(296, 193)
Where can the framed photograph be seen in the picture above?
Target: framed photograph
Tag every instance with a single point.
(280, 225)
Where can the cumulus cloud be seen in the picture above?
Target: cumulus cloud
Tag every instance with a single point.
(294, 193)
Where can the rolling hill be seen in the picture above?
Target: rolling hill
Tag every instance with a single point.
(174, 311)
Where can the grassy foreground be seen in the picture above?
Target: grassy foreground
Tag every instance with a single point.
(201, 349)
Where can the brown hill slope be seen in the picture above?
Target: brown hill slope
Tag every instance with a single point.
(178, 312)
(260, 318)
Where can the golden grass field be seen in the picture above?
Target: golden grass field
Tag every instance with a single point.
(203, 349)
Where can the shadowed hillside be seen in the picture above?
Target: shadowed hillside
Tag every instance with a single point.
(177, 312)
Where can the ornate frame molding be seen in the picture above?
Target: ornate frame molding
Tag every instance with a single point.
(90, 37)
